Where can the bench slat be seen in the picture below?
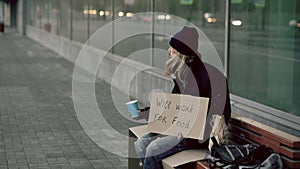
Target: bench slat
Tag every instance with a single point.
(267, 131)
(290, 163)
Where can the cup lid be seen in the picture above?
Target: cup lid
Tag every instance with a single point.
(133, 101)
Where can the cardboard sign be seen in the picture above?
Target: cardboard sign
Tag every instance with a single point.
(171, 114)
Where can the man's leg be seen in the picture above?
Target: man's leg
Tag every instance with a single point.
(159, 149)
(142, 143)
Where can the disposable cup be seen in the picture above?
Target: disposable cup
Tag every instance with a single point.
(132, 108)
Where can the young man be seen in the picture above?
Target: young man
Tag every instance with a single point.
(190, 77)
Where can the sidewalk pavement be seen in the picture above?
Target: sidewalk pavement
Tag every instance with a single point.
(38, 124)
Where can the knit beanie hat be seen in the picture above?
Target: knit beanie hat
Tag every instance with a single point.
(186, 41)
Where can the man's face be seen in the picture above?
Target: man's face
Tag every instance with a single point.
(172, 61)
(171, 52)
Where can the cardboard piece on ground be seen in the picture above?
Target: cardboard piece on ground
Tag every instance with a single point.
(174, 113)
(184, 157)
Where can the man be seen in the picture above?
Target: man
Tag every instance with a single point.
(190, 77)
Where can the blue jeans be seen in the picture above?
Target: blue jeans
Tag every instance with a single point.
(152, 148)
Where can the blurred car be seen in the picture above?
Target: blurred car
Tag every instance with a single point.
(209, 18)
(294, 23)
(236, 22)
(104, 13)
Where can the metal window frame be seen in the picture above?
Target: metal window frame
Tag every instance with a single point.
(227, 38)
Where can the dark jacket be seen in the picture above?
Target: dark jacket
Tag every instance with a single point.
(206, 81)
(196, 83)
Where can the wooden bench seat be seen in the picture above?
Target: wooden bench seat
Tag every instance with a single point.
(247, 131)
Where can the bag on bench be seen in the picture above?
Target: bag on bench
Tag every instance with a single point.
(239, 156)
(272, 162)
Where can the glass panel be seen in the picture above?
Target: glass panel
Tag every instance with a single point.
(81, 13)
(50, 15)
(264, 58)
(207, 16)
(103, 14)
(31, 13)
(63, 18)
(129, 23)
(38, 15)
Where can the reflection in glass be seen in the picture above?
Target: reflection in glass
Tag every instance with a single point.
(208, 16)
(264, 60)
(130, 24)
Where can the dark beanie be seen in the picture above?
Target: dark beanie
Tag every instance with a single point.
(186, 41)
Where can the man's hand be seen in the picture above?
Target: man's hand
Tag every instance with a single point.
(143, 113)
(179, 136)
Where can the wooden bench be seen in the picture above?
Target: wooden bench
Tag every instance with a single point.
(247, 131)
(242, 131)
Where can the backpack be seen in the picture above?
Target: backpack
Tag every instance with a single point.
(231, 156)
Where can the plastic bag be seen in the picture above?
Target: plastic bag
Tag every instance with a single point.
(219, 131)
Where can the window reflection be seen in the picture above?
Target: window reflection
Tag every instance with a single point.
(126, 10)
(264, 52)
(208, 16)
(264, 38)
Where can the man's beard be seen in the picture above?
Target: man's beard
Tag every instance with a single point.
(172, 64)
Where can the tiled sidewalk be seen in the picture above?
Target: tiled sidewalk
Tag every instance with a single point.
(38, 124)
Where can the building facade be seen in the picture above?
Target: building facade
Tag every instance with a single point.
(257, 42)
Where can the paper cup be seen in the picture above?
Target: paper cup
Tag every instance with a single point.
(132, 108)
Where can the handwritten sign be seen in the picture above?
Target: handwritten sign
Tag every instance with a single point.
(171, 114)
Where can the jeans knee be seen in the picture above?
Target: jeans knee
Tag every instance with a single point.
(140, 145)
(137, 146)
(152, 150)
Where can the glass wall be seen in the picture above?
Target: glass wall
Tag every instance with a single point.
(101, 14)
(52, 16)
(81, 13)
(62, 20)
(264, 57)
(130, 23)
(264, 37)
(207, 16)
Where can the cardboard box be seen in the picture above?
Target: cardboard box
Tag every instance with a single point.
(171, 114)
(170, 162)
